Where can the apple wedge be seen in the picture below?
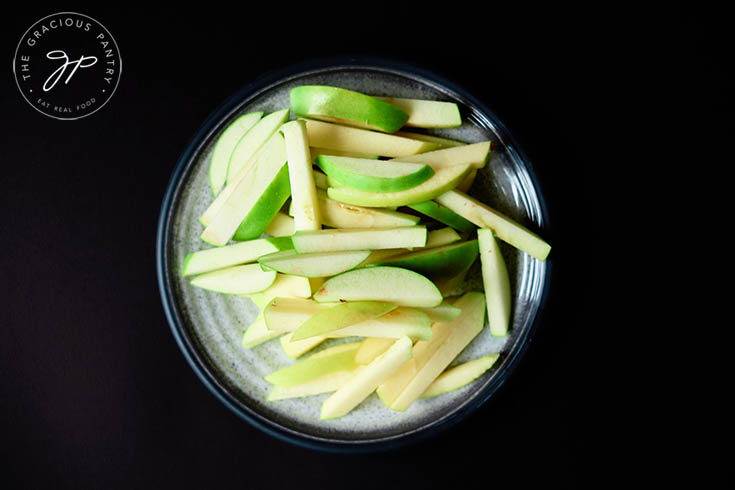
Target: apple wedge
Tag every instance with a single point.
(363, 141)
(374, 175)
(304, 201)
(337, 214)
(256, 198)
(391, 284)
(475, 154)
(239, 279)
(328, 360)
(372, 347)
(282, 225)
(464, 329)
(442, 181)
(402, 321)
(435, 261)
(316, 151)
(503, 227)
(316, 264)
(442, 236)
(364, 383)
(285, 285)
(288, 313)
(257, 333)
(496, 283)
(326, 383)
(340, 316)
(224, 147)
(442, 141)
(336, 104)
(427, 113)
(297, 348)
(443, 215)
(340, 239)
(444, 312)
(235, 254)
(255, 138)
(459, 376)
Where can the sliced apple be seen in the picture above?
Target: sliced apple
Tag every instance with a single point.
(281, 225)
(451, 283)
(304, 200)
(475, 154)
(427, 113)
(467, 182)
(338, 239)
(328, 360)
(337, 214)
(255, 138)
(460, 375)
(402, 321)
(443, 215)
(257, 333)
(289, 313)
(503, 227)
(465, 328)
(224, 147)
(364, 383)
(239, 279)
(442, 236)
(336, 104)
(441, 182)
(442, 141)
(436, 261)
(496, 283)
(316, 151)
(297, 348)
(325, 383)
(391, 284)
(444, 312)
(341, 316)
(287, 286)
(372, 347)
(316, 264)
(235, 254)
(362, 141)
(374, 175)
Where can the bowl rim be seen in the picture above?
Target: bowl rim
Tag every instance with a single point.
(187, 158)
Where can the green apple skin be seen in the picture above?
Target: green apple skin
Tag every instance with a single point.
(391, 284)
(427, 113)
(345, 106)
(459, 376)
(503, 227)
(340, 357)
(236, 254)
(225, 145)
(333, 240)
(439, 183)
(253, 140)
(496, 283)
(317, 264)
(266, 208)
(444, 215)
(374, 175)
(437, 261)
(341, 316)
(239, 279)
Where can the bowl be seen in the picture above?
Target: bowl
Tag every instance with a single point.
(208, 327)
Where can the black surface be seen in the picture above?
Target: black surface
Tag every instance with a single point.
(94, 393)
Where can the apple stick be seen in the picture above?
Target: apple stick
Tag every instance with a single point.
(235, 254)
(460, 375)
(303, 190)
(343, 239)
(424, 113)
(475, 154)
(340, 316)
(224, 147)
(496, 283)
(281, 225)
(257, 333)
(297, 348)
(253, 140)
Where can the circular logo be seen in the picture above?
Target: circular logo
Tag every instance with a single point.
(67, 65)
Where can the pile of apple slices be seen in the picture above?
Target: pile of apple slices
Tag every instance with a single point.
(346, 223)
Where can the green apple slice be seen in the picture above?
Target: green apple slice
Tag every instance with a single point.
(255, 138)
(316, 151)
(441, 182)
(224, 147)
(338, 357)
(436, 261)
(235, 254)
(256, 198)
(427, 113)
(503, 227)
(372, 347)
(444, 312)
(475, 154)
(443, 215)
(363, 141)
(364, 383)
(337, 214)
(326, 383)
(341, 316)
(339, 239)
(316, 264)
(391, 284)
(374, 175)
(442, 236)
(496, 283)
(289, 313)
(285, 286)
(282, 225)
(239, 279)
(336, 104)
(467, 182)
(297, 348)
(465, 328)
(257, 333)
(459, 376)
(303, 190)
(442, 141)
(402, 321)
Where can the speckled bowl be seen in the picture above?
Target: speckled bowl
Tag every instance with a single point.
(208, 327)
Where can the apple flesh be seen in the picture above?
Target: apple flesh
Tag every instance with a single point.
(336, 104)
(475, 154)
(235, 254)
(459, 376)
(326, 383)
(374, 175)
(442, 181)
(297, 348)
(436, 261)
(224, 147)
(328, 360)
(285, 285)
(496, 283)
(317, 264)
(304, 201)
(253, 140)
(282, 225)
(339, 239)
(427, 113)
(444, 312)
(364, 383)
(503, 227)
(257, 333)
(442, 141)
(372, 347)
(239, 279)
(340, 316)
(443, 215)
(289, 313)
(391, 284)
(402, 321)
(362, 141)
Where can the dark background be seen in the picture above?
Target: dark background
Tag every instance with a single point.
(94, 392)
